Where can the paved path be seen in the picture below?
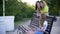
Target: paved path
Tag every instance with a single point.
(25, 24)
(56, 27)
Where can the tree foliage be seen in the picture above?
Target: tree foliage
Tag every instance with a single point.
(18, 9)
(54, 6)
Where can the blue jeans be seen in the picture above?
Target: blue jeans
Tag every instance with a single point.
(38, 32)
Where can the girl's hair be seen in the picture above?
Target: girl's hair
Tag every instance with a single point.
(43, 3)
(36, 4)
(42, 19)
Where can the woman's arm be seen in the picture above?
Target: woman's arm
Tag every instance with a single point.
(44, 26)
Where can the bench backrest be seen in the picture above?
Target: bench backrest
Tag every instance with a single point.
(49, 19)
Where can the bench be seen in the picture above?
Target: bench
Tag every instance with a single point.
(50, 24)
(48, 30)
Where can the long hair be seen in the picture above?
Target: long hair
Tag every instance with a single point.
(43, 4)
(42, 19)
(36, 5)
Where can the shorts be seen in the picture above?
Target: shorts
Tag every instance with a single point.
(38, 32)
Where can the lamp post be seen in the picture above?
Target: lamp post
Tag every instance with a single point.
(3, 7)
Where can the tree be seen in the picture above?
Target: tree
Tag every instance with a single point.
(53, 6)
(18, 9)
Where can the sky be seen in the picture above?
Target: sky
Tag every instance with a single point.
(30, 2)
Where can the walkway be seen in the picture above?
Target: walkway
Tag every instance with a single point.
(56, 27)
